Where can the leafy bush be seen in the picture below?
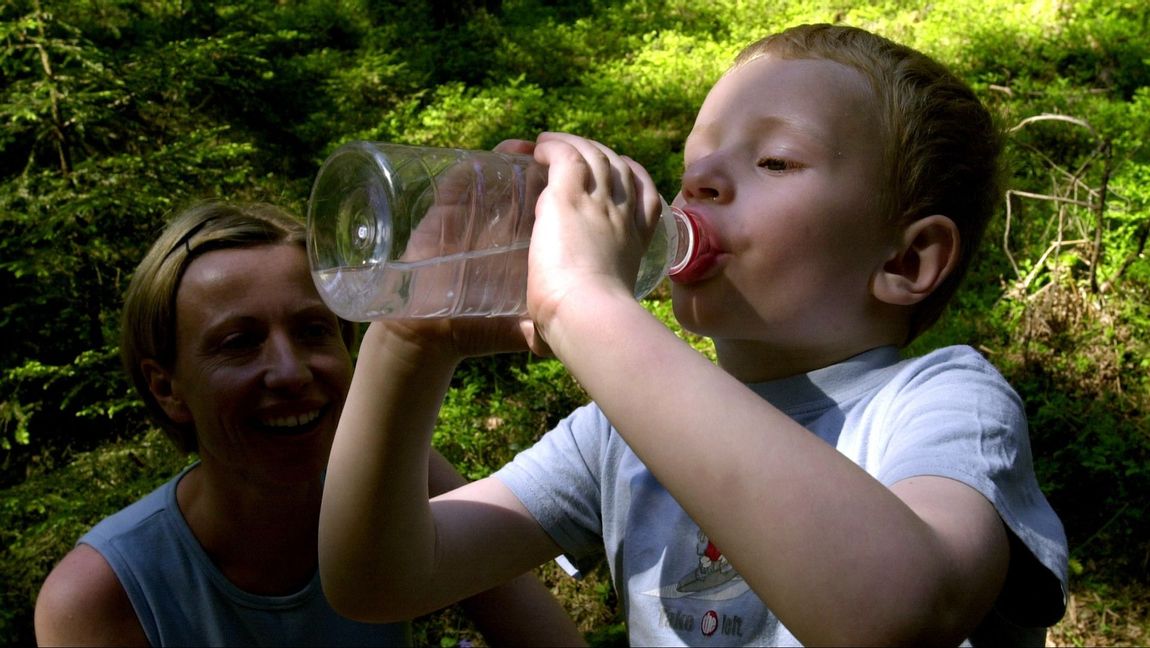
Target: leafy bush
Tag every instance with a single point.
(117, 112)
(500, 405)
(42, 517)
(73, 405)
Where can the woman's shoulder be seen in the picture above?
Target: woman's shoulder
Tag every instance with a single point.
(132, 516)
(83, 602)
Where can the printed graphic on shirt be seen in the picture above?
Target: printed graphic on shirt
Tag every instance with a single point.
(708, 625)
(713, 578)
(713, 569)
(700, 603)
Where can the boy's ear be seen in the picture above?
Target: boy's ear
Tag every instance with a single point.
(927, 254)
(161, 385)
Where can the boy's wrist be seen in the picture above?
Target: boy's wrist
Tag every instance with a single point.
(405, 349)
(579, 317)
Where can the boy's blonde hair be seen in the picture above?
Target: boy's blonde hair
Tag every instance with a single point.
(941, 145)
(148, 321)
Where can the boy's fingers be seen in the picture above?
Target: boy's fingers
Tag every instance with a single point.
(646, 194)
(563, 159)
(525, 147)
(534, 339)
(604, 174)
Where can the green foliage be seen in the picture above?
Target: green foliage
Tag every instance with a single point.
(42, 517)
(1082, 369)
(1058, 297)
(498, 406)
(114, 113)
(75, 403)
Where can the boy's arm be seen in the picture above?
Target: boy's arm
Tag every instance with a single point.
(839, 557)
(386, 554)
(521, 612)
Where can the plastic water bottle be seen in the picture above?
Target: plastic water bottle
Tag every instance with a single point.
(421, 232)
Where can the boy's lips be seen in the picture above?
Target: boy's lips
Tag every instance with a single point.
(704, 259)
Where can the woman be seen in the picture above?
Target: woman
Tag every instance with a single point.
(238, 359)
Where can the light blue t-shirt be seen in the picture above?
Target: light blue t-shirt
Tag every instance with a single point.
(949, 414)
(182, 599)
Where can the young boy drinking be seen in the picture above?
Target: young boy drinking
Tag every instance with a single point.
(813, 487)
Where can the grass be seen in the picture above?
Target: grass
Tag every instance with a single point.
(1102, 614)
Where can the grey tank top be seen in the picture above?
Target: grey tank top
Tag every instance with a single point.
(182, 599)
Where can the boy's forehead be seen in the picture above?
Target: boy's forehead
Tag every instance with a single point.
(805, 82)
(813, 96)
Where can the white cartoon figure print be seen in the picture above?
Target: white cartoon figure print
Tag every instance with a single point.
(712, 571)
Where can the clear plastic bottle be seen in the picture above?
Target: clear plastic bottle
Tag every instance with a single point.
(421, 232)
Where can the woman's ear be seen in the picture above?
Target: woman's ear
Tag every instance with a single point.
(161, 385)
(927, 254)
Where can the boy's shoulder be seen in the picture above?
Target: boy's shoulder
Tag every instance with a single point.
(882, 374)
(957, 353)
(956, 378)
(956, 362)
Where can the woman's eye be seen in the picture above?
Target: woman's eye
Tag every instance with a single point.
(240, 340)
(320, 331)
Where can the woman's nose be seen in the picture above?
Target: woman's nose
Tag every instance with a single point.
(287, 365)
(707, 180)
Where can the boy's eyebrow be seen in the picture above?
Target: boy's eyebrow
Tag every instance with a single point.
(803, 128)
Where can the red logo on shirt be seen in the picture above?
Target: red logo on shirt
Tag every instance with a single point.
(710, 623)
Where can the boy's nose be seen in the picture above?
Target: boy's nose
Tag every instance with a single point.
(705, 180)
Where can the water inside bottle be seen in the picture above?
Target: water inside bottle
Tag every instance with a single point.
(484, 283)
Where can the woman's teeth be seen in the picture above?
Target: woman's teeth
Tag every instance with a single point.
(293, 421)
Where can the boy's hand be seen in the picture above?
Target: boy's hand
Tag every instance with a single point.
(592, 224)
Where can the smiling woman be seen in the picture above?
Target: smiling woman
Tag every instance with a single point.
(258, 359)
(237, 357)
(149, 331)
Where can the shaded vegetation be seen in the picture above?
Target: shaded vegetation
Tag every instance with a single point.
(115, 113)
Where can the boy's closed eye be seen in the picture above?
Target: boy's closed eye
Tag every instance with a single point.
(777, 165)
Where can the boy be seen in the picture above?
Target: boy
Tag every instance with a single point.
(810, 488)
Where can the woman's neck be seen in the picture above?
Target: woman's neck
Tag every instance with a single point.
(261, 537)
